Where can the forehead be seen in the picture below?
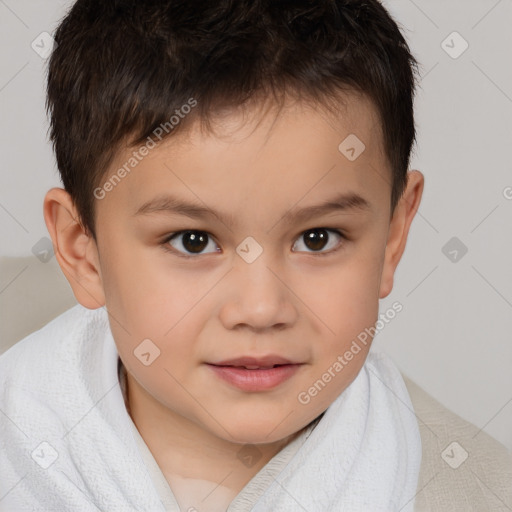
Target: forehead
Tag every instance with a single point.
(260, 156)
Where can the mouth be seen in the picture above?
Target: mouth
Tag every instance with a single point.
(256, 363)
(253, 378)
(252, 367)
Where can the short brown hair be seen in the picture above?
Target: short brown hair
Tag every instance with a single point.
(121, 68)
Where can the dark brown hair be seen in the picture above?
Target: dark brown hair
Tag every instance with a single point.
(122, 68)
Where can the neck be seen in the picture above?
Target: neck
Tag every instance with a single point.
(182, 449)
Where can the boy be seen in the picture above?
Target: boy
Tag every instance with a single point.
(277, 135)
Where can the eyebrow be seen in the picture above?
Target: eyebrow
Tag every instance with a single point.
(168, 204)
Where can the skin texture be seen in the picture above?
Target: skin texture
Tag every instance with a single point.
(291, 300)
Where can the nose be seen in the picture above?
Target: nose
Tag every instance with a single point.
(258, 296)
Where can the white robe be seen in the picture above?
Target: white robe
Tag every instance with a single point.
(66, 442)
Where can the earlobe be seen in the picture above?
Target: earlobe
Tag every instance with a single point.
(399, 229)
(75, 250)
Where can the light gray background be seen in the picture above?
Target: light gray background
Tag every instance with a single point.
(453, 336)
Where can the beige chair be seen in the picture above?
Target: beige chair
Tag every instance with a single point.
(463, 468)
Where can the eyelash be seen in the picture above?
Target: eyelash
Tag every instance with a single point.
(168, 238)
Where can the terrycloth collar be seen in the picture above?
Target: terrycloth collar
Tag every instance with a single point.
(67, 443)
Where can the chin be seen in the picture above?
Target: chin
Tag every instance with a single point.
(248, 432)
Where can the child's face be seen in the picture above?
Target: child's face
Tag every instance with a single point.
(303, 299)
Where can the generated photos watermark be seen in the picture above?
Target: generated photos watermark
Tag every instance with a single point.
(304, 397)
(143, 151)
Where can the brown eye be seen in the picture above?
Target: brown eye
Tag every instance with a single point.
(317, 239)
(193, 242)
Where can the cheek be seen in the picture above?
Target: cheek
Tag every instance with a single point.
(345, 304)
(140, 288)
(149, 300)
(343, 299)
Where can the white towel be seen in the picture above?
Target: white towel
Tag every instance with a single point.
(66, 444)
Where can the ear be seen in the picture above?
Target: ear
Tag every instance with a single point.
(75, 250)
(399, 229)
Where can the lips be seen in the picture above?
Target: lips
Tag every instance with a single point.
(256, 374)
(260, 377)
(256, 363)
